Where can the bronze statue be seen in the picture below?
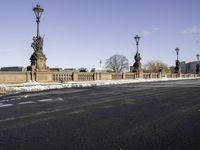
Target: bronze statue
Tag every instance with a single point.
(37, 44)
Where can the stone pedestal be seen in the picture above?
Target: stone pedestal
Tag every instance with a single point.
(177, 67)
(137, 66)
(38, 62)
(197, 69)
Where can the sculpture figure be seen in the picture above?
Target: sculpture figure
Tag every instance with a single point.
(37, 44)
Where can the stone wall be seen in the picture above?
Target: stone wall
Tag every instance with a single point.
(14, 77)
(56, 76)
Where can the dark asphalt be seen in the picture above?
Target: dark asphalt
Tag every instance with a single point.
(141, 116)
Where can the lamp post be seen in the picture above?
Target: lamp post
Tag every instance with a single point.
(198, 65)
(100, 62)
(137, 65)
(177, 68)
(38, 58)
(38, 12)
(137, 39)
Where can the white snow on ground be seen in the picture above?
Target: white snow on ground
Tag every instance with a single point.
(35, 86)
(45, 100)
(27, 102)
(6, 105)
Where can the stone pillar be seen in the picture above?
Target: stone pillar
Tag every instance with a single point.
(135, 75)
(28, 76)
(140, 74)
(150, 76)
(33, 76)
(123, 76)
(94, 76)
(160, 75)
(97, 75)
(180, 75)
(75, 76)
(100, 76)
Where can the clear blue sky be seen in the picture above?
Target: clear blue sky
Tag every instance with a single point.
(78, 33)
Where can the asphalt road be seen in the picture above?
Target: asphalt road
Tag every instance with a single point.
(141, 116)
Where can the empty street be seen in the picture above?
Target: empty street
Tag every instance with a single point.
(140, 116)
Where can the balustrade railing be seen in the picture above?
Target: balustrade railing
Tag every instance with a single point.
(130, 75)
(117, 76)
(16, 77)
(85, 76)
(146, 75)
(62, 77)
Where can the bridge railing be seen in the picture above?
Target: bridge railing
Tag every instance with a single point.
(62, 77)
(91, 76)
(59, 76)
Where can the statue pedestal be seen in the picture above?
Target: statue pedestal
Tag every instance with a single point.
(38, 62)
(137, 66)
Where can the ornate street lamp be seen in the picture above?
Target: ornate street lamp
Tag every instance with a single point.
(198, 65)
(100, 62)
(38, 12)
(137, 65)
(137, 39)
(177, 68)
(177, 52)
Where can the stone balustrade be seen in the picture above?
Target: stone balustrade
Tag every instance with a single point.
(60, 77)
(86, 76)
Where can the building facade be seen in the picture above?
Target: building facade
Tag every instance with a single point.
(188, 67)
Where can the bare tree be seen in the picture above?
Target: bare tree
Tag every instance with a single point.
(117, 63)
(156, 66)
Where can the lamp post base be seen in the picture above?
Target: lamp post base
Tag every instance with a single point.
(177, 68)
(197, 69)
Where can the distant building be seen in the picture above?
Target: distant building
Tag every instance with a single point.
(188, 67)
(15, 68)
(69, 69)
(102, 70)
(83, 69)
(56, 69)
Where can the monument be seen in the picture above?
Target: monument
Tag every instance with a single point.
(137, 66)
(177, 67)
(38, 58)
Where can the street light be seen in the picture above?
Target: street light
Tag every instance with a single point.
(177, 68)
(100, 62)
(137, 65)
(38, 58)
(198, 57)
(137, 39)
(38, 12)
(177, 51)
(197, 66)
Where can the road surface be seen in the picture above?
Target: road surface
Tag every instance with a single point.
(140, 116)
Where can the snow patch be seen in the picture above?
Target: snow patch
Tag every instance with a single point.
(45, 100)
(5, 105)
(35, 86)
(59, 99)
(77, 112)
(27, 102)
